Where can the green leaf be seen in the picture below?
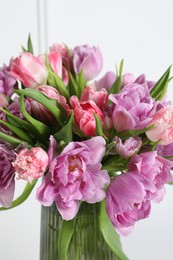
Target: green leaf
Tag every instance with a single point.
(99, 130)
(117, 84)
(39, 126)
(121, 68)
(45, 101)
(66, 134)
(73, 87)
(81, 83)
(16, 121)
(161, 85)
(130, 133)
(64, 238)
(115, 163)
(10, 139)
(24, 49)
(55, 81)
(25, 194)
(30, 46)
(109, 233)
(19, 132)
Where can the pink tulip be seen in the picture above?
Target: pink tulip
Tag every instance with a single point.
(100, 97)
(84, 115)
(55, 61)
(163, 126)
(64, 52)
(31, 164)
(42, 113)
(29, 70)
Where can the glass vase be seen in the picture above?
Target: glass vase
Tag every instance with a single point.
(87, 242)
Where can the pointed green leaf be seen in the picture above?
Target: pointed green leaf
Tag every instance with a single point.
(55, 81)
(25, 194)
(81, 83)
(19, 132)
(10, 139)
(109, 233)
(73, 87)
(44, 100)
(39, 126)
(159, 87)
(117, 84)
(115, 163)
(30, 46)
(24, 49)
(66, 134)
(16, 121)
(99, 129)
(121, 68)
(64, 238)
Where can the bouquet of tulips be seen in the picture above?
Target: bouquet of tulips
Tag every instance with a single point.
(106, 141)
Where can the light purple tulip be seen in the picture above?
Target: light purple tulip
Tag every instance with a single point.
(165, 150)
(142, 80)
(89, 59)
(75, 175)
(127, 201)
(127, 78)
(133, 107)
(7, 82)
(7, 171)
(106, 81)
(155, 168)
(14, 108)
(129, 147)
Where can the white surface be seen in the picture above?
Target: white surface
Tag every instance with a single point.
(138, 31)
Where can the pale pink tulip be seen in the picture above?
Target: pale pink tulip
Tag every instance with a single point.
(163, 126)
(29, 70)
(31, 164)
(55, 61)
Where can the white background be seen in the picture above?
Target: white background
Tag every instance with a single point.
(141, 32)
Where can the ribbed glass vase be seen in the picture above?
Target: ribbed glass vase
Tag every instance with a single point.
(87, 242)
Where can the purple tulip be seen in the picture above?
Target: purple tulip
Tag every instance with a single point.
(133, 107)
(7, 171)
(127, 78)
(129, 147)
(14, 108)
(127, 201)
(165, 150)
(75, 175)
(89, 59)
(106, 81)
(7, 82)
(142, 80)
(155, 168)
